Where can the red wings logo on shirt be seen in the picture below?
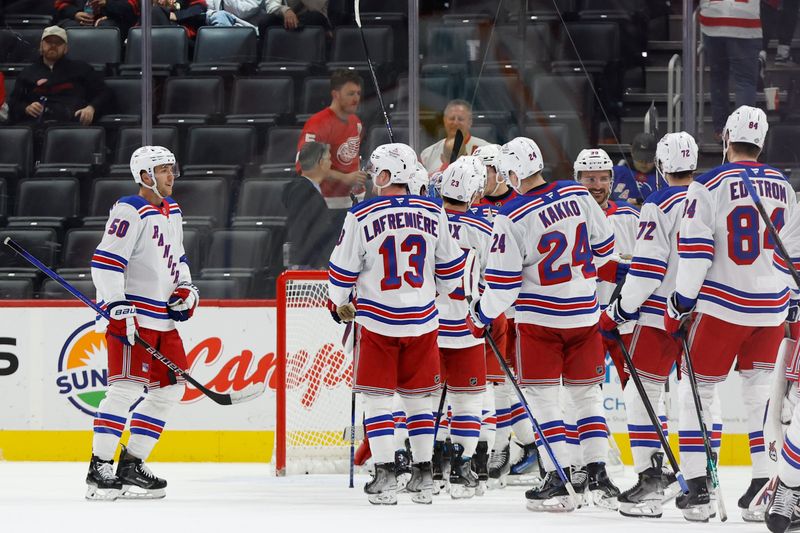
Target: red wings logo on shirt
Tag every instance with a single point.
(348, 150)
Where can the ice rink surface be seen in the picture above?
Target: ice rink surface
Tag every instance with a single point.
(232, 498)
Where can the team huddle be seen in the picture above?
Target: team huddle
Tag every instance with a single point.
(488, 306)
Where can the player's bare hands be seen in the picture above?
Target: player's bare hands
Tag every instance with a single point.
(34, 110)
(346, 312)
(84, 19)
(359, 177)
(290, 20)
(85, 115)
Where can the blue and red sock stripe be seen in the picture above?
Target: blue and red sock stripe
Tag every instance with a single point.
(592, 427)
(756, 441)
(465, 426)
(554, 431)
(109, 424)
(380, 426)
(146, 426)
(420, 424)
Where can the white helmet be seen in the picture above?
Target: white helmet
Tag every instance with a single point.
(591, 159)
(418, 181)
(146, 159)
(676, 152)
(397, 158)
(521, 156)
(745, 125)
(462, 179)
(488, 154)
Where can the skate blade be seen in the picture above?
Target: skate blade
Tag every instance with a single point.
(643, 509)
(402, 482)
(423, 497)
(700, 513)
(557, 504)
(496, 483)
(481, 488)
(604, 501)
(461, 492)
(383, 498)
(94, 493)
(133, 492)
(523, 479)
(753, 515)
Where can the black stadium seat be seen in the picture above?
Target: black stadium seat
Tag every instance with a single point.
(378, 135)
(39, 242)
(203, 202)
(100, 47)
(170, 50)
(505, 48)
(45, 202)
(191, 100)
(316, 96)
(281, 151)
(79, 246)
(224, 50)
(217, 289)
(125, 108)
(451, 44)
(16, 289)
(105, 193)
(193, 246)
(218, 150)
(260, 204)
(781, 145)
(241, 255)
(72, 150)
(294, 53)
(51, 290)
(16, 156)
(348, 51)
(18, 48)
(596, 45)
(131, 138)
(261, 101)
(4, 204)
(570, 94)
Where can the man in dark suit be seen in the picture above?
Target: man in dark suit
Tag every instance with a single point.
(311, 236)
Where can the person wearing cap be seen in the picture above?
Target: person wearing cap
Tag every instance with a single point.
(56, 88)
(633, 184)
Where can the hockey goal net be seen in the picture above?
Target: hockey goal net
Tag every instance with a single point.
(314, 380)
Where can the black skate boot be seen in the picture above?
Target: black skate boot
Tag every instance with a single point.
(138, 482)
(382, 488)
(499, 467)
(696, 506)
(101, 483)
(440, 464)
(604, 492)
(552, 496)
(402, 468)
(526, 470)
(756, 514)
(646, 498)
(780, 510)
(480, 461)
(420, 486)
(580, 480)
(463, 481)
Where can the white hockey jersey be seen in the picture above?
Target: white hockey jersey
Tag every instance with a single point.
(731, 18)
(141, 259)
(471, 232)
(397, 252)
(545, 250)
(624, 220)
(726, 254)
(651, 279)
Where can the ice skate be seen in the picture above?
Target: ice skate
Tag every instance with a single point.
(602, 490)
(480, 461)
(647, 497)
(499, 467)
(580, 481)
(754, 515)
(101, 483)
(463, 481)
(696, 506)
(526, 470)
(440, 464)
(552, 496)
(420, 486)
(402, 468)
(382, 488)
(138, 482)
(782, 508)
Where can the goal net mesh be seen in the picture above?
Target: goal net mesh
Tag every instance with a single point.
(318, 379)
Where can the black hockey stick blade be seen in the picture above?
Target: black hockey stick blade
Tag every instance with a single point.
(457, 143)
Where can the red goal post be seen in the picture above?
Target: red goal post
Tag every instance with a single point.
(314, 379)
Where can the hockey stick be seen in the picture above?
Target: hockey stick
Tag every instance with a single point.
(248, 393)
(637, 380)
(357, 9)
(457, 142)
(439, 411)
(352, 437)
(698, 405)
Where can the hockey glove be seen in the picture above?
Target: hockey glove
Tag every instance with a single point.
(122, 321)
(342, 313)
(679, 309)
(613, 271)
(613, 317)
(476, 320)
(794, 311)
(182, 302)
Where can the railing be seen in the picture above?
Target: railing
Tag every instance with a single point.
(674, 98)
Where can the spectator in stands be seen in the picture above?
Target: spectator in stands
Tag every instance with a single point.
(56, 88)
(121, 14)
(292, 14)
(732, 40)
(3, 103)
(311, 236)
(248, 13)
(338, 126)
(457, 116)
(779, 18)
(191, 14)
(634, 184)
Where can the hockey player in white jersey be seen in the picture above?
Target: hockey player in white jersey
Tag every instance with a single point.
(396, 250)
(546, 248)
(143, 280)
(642, 302)
(726, 276)
(463, 362)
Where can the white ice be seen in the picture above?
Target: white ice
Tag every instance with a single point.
(234, 498)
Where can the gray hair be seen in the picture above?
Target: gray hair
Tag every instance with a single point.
(311, 154)
(458, 101)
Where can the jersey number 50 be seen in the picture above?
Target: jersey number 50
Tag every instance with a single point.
(744, 237)
(416, 262)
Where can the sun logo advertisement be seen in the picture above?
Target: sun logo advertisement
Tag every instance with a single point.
(82, 369)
